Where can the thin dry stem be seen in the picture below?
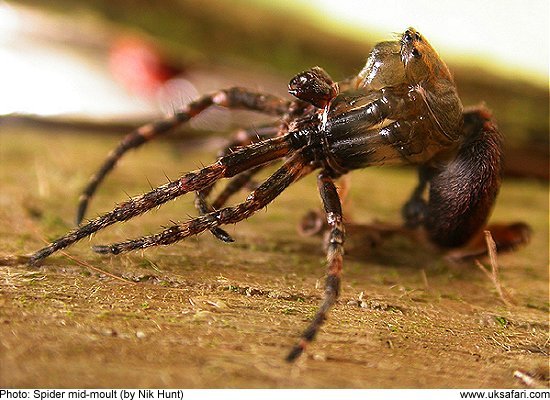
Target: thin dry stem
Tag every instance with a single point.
(494, 275)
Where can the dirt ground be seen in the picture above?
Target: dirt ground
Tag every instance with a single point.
(206, 314)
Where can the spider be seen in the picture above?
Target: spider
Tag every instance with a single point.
(402, 108)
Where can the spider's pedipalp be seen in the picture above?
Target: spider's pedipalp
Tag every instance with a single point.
(295, 168)
(231, 165)
(234, 98)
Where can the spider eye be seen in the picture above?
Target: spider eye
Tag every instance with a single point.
(415, 52)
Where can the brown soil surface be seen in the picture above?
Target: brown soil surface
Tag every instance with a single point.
(206, 314)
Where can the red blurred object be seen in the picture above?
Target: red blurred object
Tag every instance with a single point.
(140, 66)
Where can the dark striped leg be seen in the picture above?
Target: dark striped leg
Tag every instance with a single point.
(235, 98)
(314, 221)
(292, 170)
(243, 138)
(231, 165)
(335, 253)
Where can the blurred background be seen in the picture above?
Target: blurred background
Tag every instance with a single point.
(107, 66)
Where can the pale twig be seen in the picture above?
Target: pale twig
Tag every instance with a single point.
(494, 275)
(96, 269)
(425, 279)
(525, 378)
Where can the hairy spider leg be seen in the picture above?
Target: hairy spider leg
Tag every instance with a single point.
(335, 253)
(314, 221)
(234, 98)
(292, 170)
(228, 166)
(243, 138)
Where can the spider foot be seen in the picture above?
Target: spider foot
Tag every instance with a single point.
(12, 260)
(296, 351)
(222, 235)
(106, 249)
(312, 223)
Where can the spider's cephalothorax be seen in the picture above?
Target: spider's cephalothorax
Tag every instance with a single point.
(402, 108)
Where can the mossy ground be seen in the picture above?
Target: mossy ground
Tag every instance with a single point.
(206, 314)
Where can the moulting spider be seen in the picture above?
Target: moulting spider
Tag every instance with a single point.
(402, 108)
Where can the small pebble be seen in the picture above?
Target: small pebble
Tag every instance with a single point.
(140, 334)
